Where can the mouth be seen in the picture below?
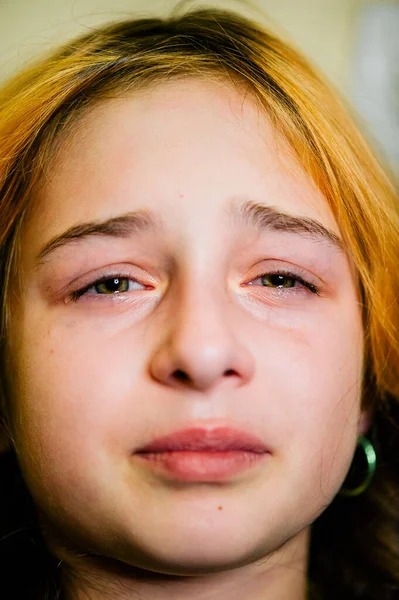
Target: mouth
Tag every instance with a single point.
(200, 454)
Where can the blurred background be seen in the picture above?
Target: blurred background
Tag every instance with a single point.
(354, 42)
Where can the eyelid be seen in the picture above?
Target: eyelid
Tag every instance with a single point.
(275, 264)
(121, 277)
(291, 275)
(76, 294)
(312, 284)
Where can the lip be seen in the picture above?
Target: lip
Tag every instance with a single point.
(201, 454)
(197, 439)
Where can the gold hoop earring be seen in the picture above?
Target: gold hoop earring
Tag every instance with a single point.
(371, 460)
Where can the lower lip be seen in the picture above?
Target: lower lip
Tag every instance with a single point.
(202, 466)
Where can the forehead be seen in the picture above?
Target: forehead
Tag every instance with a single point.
(186, 146)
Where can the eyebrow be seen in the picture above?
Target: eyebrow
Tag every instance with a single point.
(259, 216)
(122, 226)
(266, 218)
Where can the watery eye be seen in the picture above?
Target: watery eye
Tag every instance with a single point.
(281, 280)
(277, 280)
(112, 286)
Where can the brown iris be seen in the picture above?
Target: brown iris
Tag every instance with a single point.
(279, 281)
(113, 285)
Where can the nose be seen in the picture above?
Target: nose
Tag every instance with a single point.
(200, 348)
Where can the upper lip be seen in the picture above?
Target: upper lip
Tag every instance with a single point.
(203, 439)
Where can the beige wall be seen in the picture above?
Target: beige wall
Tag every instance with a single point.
(324, 29)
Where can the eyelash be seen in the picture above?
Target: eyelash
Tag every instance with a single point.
(299, 277)
(296, 277)
(76, 295)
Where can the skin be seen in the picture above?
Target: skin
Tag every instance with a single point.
(98, 378)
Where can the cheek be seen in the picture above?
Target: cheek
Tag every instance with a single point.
(78, 400)
(312, 380)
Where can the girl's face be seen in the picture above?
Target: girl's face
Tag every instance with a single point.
(181, 271)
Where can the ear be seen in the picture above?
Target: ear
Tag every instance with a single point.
(365, 421)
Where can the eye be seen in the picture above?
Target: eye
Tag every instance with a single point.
(284, 280)
(109, 286)
(115, 285)
(278, 280)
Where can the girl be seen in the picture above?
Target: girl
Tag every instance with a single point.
(199, 325)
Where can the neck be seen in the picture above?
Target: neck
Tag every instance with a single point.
(280, 576)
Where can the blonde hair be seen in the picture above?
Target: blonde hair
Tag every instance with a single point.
(37, 105)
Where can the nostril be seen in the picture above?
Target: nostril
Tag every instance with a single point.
(181, 376)
(230, 372)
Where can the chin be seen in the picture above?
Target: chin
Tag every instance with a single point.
(186, 555)
(196, 563)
